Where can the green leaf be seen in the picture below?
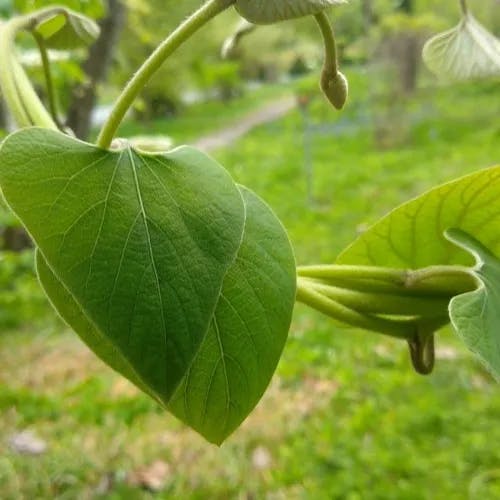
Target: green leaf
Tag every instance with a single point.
(272, 11)
(142, 243)
(476, 315)
(178, 279)
(68, 30)
(465, 52)
(74, 315)
(248, 332)
(411, 236)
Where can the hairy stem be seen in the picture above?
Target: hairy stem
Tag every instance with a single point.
(207, 12)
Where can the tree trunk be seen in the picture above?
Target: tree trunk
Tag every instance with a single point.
(95, 68)
(407, 6)
(368, 13)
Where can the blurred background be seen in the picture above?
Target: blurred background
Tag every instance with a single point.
(345, 416)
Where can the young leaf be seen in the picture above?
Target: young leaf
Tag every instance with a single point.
(476, 315)
(239, 355)
(467, 51)
(142, 243)
(178, 279)
(272, 11)
(411, 236)
(68, 30)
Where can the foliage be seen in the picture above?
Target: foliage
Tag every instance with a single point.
(344, 406)
(183, 281)
(21, 300)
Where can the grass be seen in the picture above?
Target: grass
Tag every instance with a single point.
(345, 417)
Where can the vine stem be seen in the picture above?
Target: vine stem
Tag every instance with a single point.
(201, 17)
(51, 96)
(395, 328)
(21, 99)
(325, 26)
(433, 280)
(383, 303)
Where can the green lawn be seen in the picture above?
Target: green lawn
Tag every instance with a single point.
(345, 417)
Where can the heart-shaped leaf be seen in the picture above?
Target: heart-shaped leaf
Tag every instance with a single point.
(467, 51)
(67, 30)
(174, 243)
(142, 243)
(411, 236)
(476, 315)
(272, 11)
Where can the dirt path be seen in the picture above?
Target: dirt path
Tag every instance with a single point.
(228, 135)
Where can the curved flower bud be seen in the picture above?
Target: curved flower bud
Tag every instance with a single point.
(335, 88)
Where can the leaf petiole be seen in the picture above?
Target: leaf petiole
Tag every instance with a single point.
(204, 14)
(402, 328)
(383, 303)
(51, 96)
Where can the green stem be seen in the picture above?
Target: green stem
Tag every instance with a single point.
(435, 280)
(21, 99)
(390, 275)
(402, 329)
(203, 15)
(39, 115)
(441, 274)
(463, 6)
(383, 303)
(51, 96)
(8, 85)
(325, 26)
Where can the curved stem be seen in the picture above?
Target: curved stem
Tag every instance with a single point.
(51, 96)
(8, 85)
(325, 26)
(207, 12)
(434, 280)
(402, 329)
(21, 99)
(383, 303)
(37, 112)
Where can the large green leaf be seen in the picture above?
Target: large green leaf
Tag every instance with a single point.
(411, 236)
(141, 242)
(272, 11)
(244, 343)
(178, 279)
(476, 315)
(248, 332)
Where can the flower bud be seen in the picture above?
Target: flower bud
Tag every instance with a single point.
(335, 88)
